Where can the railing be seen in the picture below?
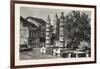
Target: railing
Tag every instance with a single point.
(64, 53)
(71, 54)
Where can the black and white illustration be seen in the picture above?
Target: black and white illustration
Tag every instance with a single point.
(47, 33)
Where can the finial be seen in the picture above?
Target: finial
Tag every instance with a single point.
(62, 15)
(56, 16)
(48, 19)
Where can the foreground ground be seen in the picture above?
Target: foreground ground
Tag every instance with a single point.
(34, 54)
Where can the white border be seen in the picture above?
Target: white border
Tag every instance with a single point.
(48, 61)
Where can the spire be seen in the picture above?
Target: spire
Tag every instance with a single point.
(62, 15)
(56, 16)
(48, 19)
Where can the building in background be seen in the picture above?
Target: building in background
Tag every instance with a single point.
(32, 31)
(37, 38)
(26, 33)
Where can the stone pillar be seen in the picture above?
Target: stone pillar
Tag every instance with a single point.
(87, 54)
(69, 55)
(76, 55)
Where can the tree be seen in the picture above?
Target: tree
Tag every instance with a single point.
(78, 28)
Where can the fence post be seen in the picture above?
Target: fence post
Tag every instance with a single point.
(69, 55)
(87, 54)
(76, 55)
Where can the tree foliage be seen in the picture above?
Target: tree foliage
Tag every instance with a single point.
(78, 27)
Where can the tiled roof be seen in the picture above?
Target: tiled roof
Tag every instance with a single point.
(40, 21)
(26, 22)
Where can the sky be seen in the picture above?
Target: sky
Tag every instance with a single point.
(44, 12)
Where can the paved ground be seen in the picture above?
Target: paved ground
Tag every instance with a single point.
(34, 54)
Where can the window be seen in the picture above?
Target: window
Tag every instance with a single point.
(24, 33)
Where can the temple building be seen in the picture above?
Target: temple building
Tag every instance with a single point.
(32, 31)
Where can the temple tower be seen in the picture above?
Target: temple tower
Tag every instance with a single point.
(48, 34)
(56, 26)
(61, 30)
